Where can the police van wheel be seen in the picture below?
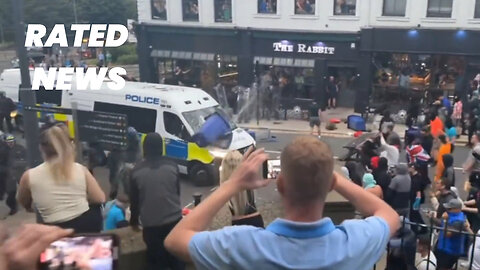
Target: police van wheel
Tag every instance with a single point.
(200, 175)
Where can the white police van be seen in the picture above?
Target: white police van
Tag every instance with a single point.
(175, 112)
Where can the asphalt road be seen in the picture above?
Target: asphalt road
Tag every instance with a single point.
(267, 194)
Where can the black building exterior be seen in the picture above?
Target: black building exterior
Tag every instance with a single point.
(309, 57)
(435, 58)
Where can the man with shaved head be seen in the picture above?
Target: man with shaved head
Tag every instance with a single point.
(303, 238)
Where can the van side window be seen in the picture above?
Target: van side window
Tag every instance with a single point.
(143, 120)
(48, 96)
(174, 126)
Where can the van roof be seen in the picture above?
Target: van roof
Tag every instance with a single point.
(180, 98)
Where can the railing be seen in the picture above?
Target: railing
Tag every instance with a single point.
(431, 231)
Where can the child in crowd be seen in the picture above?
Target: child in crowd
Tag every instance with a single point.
(116, 216)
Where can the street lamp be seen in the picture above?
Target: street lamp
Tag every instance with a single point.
(26, 95)
(75, 11)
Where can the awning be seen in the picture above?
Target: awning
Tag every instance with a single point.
(285, 62)
(183, 55)
(160, 53)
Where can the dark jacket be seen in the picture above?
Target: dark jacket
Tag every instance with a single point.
(427, 143)
(6, 105)
(398, 193)
(382, 176)
(155, 193)
(355, 171)
(449, 171)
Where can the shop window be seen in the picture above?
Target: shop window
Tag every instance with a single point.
(143, 120)
(223, 11)
(345, 7)
(305, 7)
(267, 6)
(477, 9)
(190, 10)
(440, 8)
(159, 9)
(394, 7)
(174, 126)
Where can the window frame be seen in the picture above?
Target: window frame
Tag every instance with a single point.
(314, 9)
(152, 9)
(267, 13)
(476, 13)
(439, 14)
(184, 131)
(129, 111)
(184, 18)
(393, 14)
(215, 15)
(343, 14)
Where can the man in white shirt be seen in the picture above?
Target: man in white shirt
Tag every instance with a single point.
(422, 259)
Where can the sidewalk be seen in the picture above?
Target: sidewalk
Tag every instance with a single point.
(302, 127)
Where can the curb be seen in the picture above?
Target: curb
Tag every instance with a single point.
(303, 132)
(325, 133)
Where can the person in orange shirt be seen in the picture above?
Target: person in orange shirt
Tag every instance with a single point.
(436, 127)
(445, 148)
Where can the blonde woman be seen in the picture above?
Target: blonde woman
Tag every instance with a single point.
(60, 189)
(242, 206)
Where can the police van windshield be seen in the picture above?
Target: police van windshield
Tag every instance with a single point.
(196, 118)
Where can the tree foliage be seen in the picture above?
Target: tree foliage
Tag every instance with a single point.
(51, 12)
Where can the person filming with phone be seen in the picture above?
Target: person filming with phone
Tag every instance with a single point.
(304, 238)
(242, 205)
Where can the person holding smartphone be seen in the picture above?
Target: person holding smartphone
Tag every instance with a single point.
(242, 205)
(304, 238)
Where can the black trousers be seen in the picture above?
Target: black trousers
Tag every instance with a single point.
(9, 122)
(3, 184)
(157, 256)
(89, 222)
(12, 200)
(471, 130)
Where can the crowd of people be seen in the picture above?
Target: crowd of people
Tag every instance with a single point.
(145, 192)
(407, 187)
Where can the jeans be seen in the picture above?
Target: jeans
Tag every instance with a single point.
(157, 256)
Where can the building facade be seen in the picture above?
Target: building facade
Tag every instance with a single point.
(369, 46)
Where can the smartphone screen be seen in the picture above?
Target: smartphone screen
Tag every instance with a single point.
(81, 252)
(271, 169)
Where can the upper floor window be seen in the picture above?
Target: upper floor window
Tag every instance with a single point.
(345, 7)
(223, 10)
(305, 7)
(190, 10)
(394, 7)
(159, 9)
(477, 9)
(267, 6)
(440, 8)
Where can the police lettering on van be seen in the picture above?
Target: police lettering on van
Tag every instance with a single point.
(140, 99)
